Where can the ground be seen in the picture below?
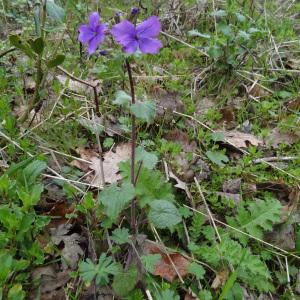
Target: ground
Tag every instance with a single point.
(210, 209)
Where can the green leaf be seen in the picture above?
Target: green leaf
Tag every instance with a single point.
(31, 172)
(196, 270)
(31, 198)
(205, 295)
(259, 217)
(144, 110)
(125, 282)
(217, 157)
(166, 295)
(149, 159)
(163, 214)
(116, 198)
(56, 61)
(18, 43)
(37, 45)
(122, 98)
(105, 267)
(252, 270)
(16, 292)
(6, 262)
(151, 185)
(120, 236)
(54, 11)
(150, 261)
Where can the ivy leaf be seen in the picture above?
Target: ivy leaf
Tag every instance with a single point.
(144, 110)
(125, 282)
(105, 267)
(150, 261)
(196, 270)
(163, 214)
(120, 236)
(149, 159)
(217, 157)
(122, 98)
(115, 199)
(54, 11)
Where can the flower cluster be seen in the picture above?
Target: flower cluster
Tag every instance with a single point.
(131, 37)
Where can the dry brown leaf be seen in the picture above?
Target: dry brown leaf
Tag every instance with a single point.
(189, 296)
(164, 267)
(111, 161)
(240, 139)
(178, 136)
(277, 137)
(71, 252)
(220, 279)
(51, 283)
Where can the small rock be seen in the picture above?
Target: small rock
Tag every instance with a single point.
(232, 186)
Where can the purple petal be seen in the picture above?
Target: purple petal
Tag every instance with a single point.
(95, 42)
(85, 34)
(124, 32)
(131, 47)
(150, 28)
(94, 20)
(148, 45)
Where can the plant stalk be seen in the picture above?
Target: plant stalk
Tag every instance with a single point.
(133, 144)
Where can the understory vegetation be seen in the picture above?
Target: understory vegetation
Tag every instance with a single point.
(149, 149)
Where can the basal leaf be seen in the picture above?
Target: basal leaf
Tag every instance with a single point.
(144, 110)
(163, 214)
(54, 11)
(124, 282)
(115, 199)
(122, 98)
(217, 157)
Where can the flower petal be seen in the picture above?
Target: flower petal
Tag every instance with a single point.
(95, 42)
(94, 19)
(124, 32)
(85, 34)
(150, 28)
(148, 45)
(131, 47)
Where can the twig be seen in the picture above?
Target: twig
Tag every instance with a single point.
(208, 210)
(7, 51)
(93, 86)
(274, 158)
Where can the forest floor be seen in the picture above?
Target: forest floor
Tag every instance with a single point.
(210, 209)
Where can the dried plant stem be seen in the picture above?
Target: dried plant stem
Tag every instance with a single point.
(133, 143)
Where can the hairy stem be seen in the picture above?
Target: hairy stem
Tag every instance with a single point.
(133, 143)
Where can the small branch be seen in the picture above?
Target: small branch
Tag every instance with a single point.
(274, 158)
(93, 86)
(7, 51)
(208, 210)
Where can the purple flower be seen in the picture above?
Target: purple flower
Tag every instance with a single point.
(142, 36)
(93, 33)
